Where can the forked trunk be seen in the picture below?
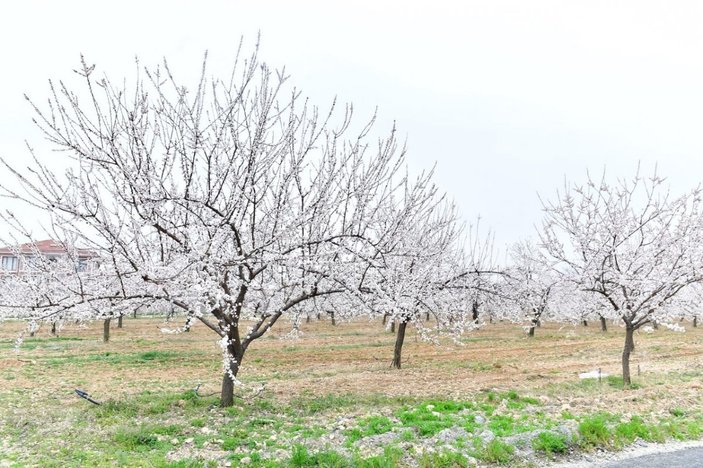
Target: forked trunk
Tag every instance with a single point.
(400, 337)
(627, 350)
(106, 329)
(603, 325)
(119, 322)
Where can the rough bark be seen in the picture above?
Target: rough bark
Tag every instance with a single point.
(236, 351)
(627, 350)
(106, 329)
(399, 339)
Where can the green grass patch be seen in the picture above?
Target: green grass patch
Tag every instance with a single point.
(594, 431)
(496, 451)
(369, 426)
(550, 443)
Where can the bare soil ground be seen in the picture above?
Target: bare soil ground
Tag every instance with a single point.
(354, 358)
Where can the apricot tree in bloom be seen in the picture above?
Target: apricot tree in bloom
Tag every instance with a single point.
(631, 244)
(233, 200)
(530, 286)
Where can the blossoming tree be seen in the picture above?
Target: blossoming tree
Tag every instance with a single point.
(233, 200)
(631, 244)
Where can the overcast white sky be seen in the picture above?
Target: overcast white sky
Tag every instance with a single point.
(508, 97)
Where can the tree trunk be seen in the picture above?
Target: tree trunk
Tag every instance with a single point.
(531, 332)
(400, 337)
(385, 319)
(627, 350)
(334, 322)
(53, 328)
(134, 314)
(393, 326)
(603, 325)
(474, 312)
(119, 322)
(236, 351)
(655, 325)
(227, 393)
(106, 329)
(585, 323)
(427, 316)
(695, 321)
(307, 319)
(318, 316)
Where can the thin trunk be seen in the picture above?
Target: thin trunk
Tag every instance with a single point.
(334, 322)
(235, 350)
(655, 325)
(474, 312)
(393, 326)
(533, 325)
(53, 328)
(400, 337)
(585, 323)
(119, 321)
(106, 329)
(627, 350)
(227, 393)
(427, 316)
(134, 314)
(307, 319)
(603, 325)
(318, 316)
(385, 319)
(695, 321)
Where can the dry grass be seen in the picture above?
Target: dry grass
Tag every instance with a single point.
(354, 358)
